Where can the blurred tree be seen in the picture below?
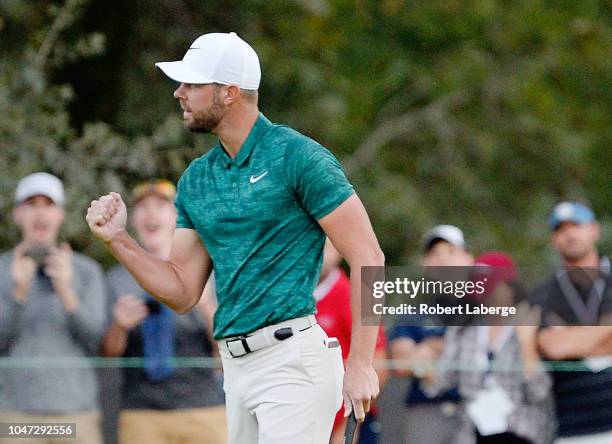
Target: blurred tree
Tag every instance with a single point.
(36, 133)
(480, 113)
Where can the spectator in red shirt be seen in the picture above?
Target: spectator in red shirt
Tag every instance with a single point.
(333, 294)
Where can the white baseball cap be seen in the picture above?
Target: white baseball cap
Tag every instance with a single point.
(448, 233)
(217, 58)
(40, 184)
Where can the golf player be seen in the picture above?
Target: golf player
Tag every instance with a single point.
(257, 207)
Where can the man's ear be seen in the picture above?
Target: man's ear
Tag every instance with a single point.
(597, 232)
(554, 239)
(231, 94)
(469, 256)
(63, 213)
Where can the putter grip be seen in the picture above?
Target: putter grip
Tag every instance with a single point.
(351, 429)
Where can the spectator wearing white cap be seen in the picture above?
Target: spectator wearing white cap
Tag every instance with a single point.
(432, 419)
(52, 305)
(576, 306)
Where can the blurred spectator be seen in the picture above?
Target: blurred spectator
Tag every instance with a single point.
(579, 294)
(161, 403)
(430, 419)
(52, 305)
(504, 389)
(333, 297)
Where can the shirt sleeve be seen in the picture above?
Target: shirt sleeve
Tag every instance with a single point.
(317, 178)
(11, 321)
(182, 218)
(11, 312)
(381, 340)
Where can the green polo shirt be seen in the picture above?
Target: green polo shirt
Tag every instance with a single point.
(257, 216)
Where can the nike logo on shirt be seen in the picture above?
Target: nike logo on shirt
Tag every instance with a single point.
(254, 179)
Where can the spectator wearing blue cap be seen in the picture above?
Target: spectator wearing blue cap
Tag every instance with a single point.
(575, 302)
(571, 214)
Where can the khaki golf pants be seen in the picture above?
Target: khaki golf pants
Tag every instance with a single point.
(285, 393)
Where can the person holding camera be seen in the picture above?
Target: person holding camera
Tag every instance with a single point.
(160, 402)
(52, 307)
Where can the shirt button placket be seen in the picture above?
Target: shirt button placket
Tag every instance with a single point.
(232, 175)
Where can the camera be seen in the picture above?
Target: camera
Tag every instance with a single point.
(39, 254)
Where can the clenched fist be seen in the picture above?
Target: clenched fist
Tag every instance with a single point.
(107, 216)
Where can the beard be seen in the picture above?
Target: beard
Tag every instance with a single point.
(207, 120)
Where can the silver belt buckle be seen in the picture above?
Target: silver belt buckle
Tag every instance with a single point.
(242, 340)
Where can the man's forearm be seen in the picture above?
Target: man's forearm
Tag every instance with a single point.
(363, 343)
(605, 347)
(158, 277)
(115, 341)
(363, 337)
(69, 299)
(573, 342)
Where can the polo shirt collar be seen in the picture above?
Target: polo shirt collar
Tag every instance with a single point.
(261, 127)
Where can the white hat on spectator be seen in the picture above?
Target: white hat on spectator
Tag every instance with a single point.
(447, 233)
(40, 184)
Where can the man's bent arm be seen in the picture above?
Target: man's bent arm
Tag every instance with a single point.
(350, 230)
(177, 282)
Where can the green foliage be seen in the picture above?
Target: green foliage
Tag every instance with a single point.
(480, 113)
